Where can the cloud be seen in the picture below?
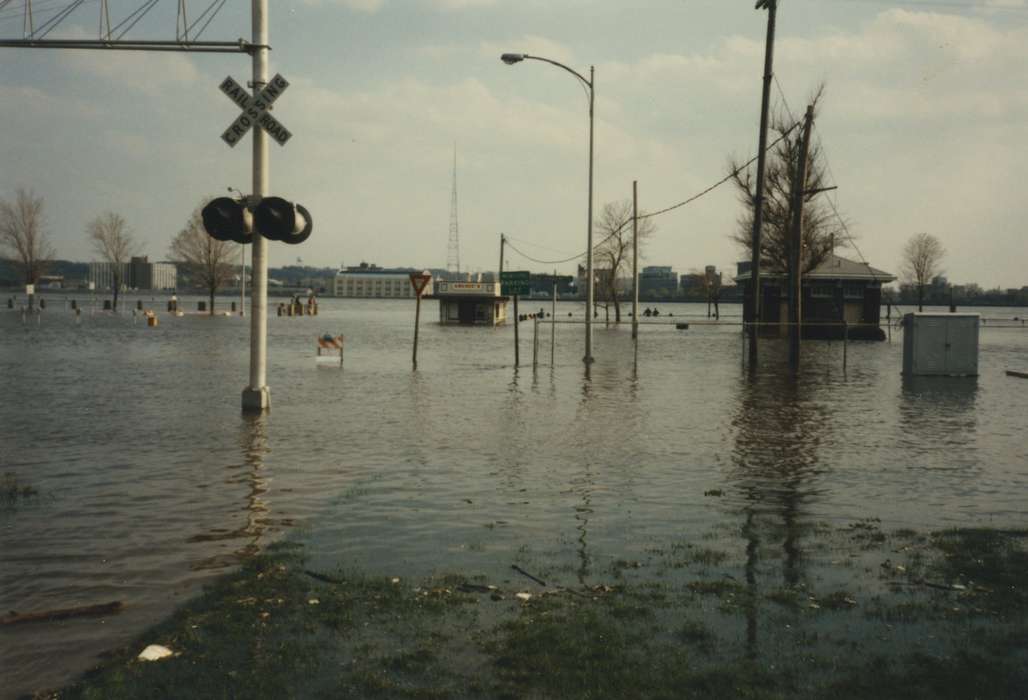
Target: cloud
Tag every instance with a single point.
(450, 5)
(368, 6)
(371, 6)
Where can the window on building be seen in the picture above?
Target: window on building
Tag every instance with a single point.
(822, 291)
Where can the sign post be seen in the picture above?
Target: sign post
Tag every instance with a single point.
(419, 282)
(515, 283)
(256, 115)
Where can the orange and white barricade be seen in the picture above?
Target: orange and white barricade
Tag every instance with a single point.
(330, 348)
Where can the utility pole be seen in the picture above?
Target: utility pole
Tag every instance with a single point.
(257, 396)
(796, 244)
(503, 241)
(635, 259)
(242, 281)
(758, 199)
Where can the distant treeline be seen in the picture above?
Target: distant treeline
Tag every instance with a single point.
(941, 293)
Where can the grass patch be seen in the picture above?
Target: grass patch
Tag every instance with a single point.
(274, 629)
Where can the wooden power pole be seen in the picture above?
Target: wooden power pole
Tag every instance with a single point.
(796, 244)
(758, 199)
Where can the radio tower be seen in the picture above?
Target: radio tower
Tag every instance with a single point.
(453, 252)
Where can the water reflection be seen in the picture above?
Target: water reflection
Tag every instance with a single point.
(939, 422)
(776, 462)
(253, 442)
(926, 399)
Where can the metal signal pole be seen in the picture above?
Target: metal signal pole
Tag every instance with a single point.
(257, 395)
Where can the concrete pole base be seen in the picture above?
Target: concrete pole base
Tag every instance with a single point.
(256, 400)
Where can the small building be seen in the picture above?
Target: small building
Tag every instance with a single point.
(836, 294)
(470, 303)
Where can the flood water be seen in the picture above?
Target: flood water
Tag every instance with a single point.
(150, 481)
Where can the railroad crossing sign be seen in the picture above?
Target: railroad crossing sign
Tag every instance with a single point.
(512, 283)
(419, 282)
(255, 110)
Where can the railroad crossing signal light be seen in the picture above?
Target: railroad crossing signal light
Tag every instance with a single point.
(228, 220)
(280, 220)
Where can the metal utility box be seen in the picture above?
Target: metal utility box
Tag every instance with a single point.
(940, 344)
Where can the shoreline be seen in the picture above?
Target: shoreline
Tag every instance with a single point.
(878, 614)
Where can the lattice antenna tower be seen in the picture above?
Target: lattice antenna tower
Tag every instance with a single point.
(453, 251)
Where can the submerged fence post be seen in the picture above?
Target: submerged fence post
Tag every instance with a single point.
(535, 342)
(517, 322)
(553, 320)
(845, 342)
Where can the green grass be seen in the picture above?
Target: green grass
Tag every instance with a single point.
(274, 629)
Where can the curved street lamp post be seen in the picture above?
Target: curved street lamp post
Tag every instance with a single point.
(590, 83)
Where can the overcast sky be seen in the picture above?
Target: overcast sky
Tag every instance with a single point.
(924, 124)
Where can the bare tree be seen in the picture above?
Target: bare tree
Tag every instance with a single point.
(23, 238)
(114, 245)
(711, 280)
(614, 250)
(921, 257)
(207, 259)
(820, 225)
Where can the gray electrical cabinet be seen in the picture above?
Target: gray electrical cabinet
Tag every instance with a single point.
(940, 344)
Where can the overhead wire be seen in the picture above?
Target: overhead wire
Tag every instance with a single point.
(220, 4)
(665, 210)
(41, 7)
(133, 18)
(536, 260)
(50, 24)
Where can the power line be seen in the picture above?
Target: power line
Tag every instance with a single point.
(543, 262)
(719, 182)
(943, 4)
(536, 245)
(665, 210)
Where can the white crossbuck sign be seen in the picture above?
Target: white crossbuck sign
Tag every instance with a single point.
(255, 110)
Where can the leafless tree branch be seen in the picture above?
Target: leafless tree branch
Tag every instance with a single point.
(207, 258)
(24, 241)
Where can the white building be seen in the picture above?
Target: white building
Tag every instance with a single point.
(373, 282)
(164, 276)
(138, 274)
(102, 274)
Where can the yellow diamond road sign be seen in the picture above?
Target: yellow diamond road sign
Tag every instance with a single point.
(255, 110)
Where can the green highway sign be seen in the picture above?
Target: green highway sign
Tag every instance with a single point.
(515, 282)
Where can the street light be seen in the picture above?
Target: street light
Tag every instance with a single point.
(590, 83)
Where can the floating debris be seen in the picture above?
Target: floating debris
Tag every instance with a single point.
(14, 618)
(155, 652)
